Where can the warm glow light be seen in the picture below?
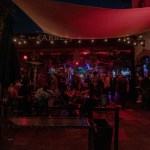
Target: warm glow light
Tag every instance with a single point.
(142, 43)
(119, 39)
(52, 42)
(92, 41)
(124, 40)
(24, 42)
(79, 41)
(135, 43)
(140, 36)
(25, 57)
(128, 42)
(19, 43)
(106, 40)
(14, 39)
(37, 42)
(128, 38)
(65, 41)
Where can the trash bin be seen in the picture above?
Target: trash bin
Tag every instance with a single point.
(102, 134)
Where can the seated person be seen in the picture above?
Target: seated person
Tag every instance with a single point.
(42, 96)
(13, 96)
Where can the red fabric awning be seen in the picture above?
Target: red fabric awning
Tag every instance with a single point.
(85, 22)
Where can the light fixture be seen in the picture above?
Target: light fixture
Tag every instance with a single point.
(19, 43)
(142, 42)
(15, 40)
(128, 38)
(135, 43)
(25, 57)
(105, 40)
(37, 42)
(52, 42)
(92, 41)
(128, 42)
(119, 39)
(24, 42)
(79, 41)
(65, 41)
(140, 36)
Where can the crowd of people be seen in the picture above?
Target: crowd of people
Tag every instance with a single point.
(90, 91)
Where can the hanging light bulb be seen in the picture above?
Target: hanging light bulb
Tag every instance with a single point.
(65, 41)
(92, 41)
(24, 42)
(128, 42)
(79, 41)
(142, 43)
(37, 42)
(19, 43)
(128, 38)
(140, 36)
(124, 40)
(119, 39)
(105, 40)
(15, 40)
(52, 42)
(135, 43)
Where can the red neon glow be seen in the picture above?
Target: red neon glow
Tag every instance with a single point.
(25, 57)
(77, 63)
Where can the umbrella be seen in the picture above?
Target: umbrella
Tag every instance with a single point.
(9, 64)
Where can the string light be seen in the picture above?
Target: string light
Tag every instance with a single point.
(128, 38)
(106, 40)
(65, 41)
(92, 41)
(24, 42)
(15, 40)
(135, 43)
(136, 39)
(128, 42)
(19, 43)
(37, 42)
(142, 42)
(119, 39)
(79, 41)
(52, 42)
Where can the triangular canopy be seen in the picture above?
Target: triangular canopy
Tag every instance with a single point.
(85, 22)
